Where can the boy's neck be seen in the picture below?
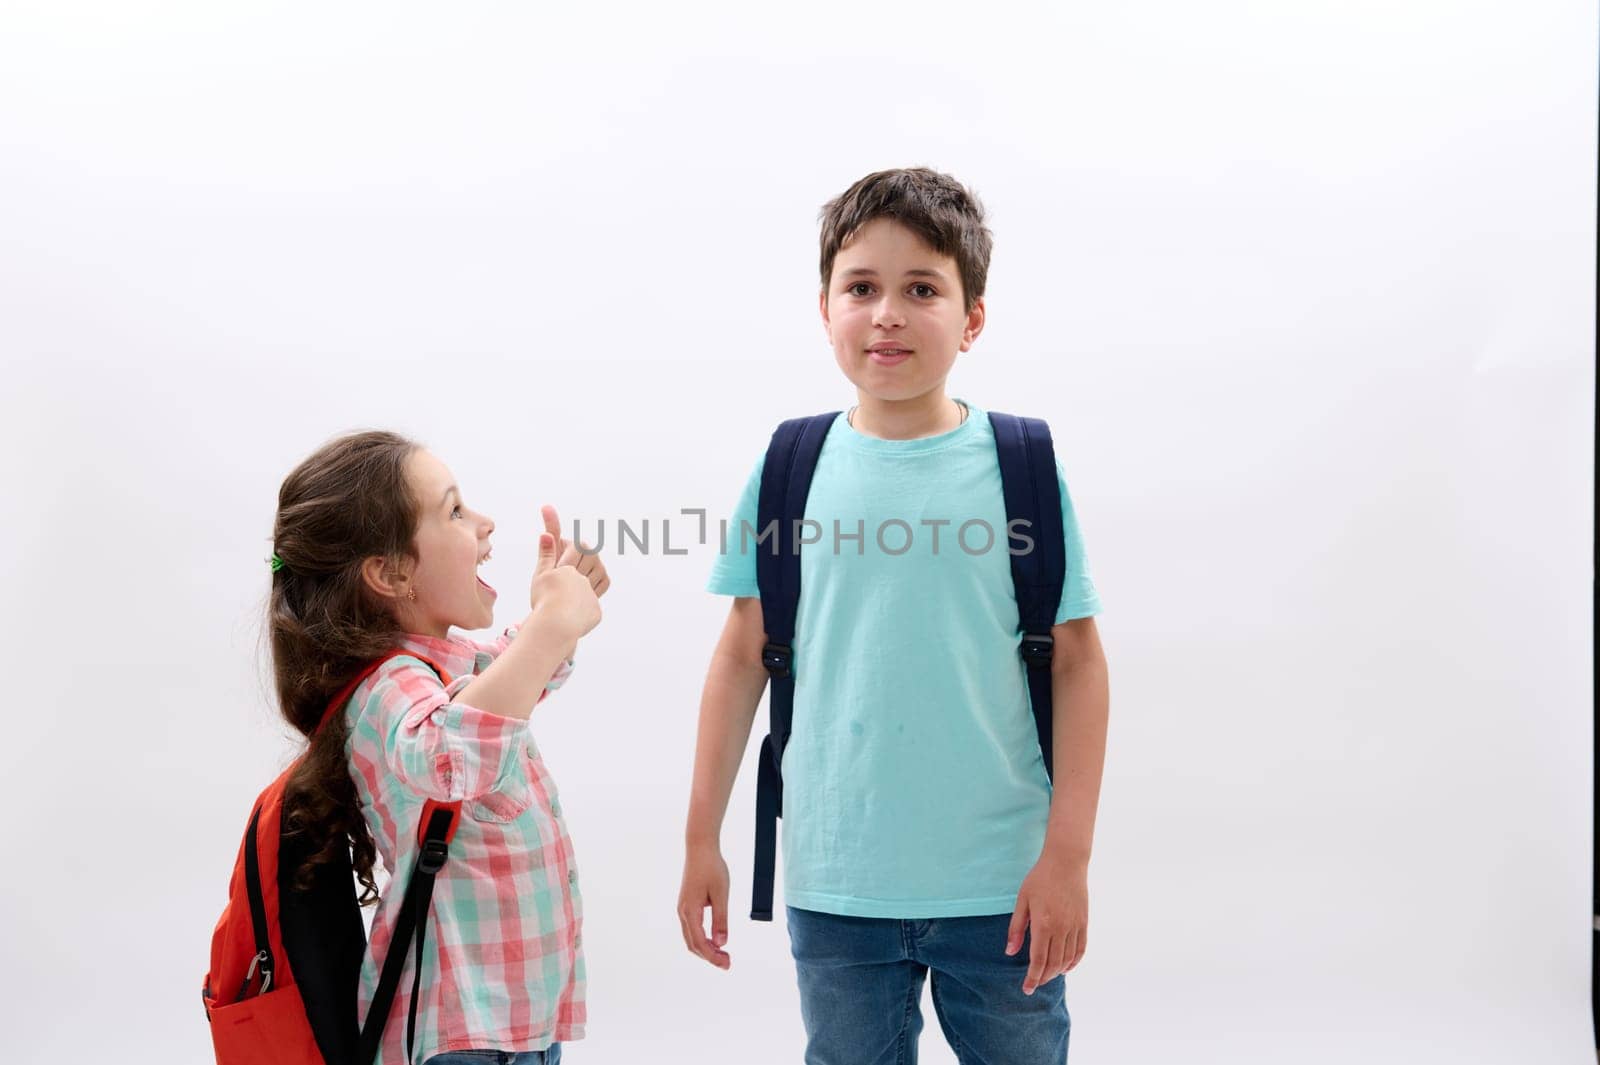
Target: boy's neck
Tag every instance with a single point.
(906, 419)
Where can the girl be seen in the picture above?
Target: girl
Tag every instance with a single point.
(375, 550)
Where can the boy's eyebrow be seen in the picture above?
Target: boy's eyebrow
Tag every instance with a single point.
(867, 271)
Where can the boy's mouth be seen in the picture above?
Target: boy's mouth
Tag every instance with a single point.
(888, 356)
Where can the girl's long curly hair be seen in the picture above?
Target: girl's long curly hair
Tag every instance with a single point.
(348, 502)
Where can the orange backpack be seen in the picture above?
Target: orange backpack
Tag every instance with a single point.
(286, 963)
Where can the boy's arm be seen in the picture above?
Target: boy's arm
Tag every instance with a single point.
(1081, 700)
(1054, 900)
(728, 704)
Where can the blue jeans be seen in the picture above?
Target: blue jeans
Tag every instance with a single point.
(861, 991)
(498, 1057)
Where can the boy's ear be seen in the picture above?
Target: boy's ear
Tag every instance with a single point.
(822, 305)
(383, 579)
(975, 320)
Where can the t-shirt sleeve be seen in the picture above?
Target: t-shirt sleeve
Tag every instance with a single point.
(1079, 599)
(734, 571)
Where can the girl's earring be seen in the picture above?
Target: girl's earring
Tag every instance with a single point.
(411, 594)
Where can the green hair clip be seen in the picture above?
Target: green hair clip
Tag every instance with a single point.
(276, 563)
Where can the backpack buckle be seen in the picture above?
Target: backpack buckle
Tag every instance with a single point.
(434, 852)
(1038, 649)
(433, 806)
(779, 659)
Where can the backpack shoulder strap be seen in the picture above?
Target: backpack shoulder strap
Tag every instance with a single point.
(438, 825)
(785, 484)
(1039, 568)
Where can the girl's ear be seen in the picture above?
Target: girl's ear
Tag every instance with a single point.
(383, 579)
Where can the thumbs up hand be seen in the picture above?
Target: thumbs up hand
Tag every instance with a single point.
(561, 589)
(565, 553)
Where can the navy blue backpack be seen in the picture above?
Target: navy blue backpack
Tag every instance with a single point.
(1028, 481)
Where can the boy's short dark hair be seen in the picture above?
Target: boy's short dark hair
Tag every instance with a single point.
(935, 206)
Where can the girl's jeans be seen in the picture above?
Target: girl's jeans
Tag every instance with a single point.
(498, 1057)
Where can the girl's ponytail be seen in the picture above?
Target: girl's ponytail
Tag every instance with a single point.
(347, 502)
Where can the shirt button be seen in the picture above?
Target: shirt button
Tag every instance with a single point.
(555, 807)
(572, 877)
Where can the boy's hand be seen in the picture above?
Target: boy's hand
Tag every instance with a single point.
(705, 883)
(1053, 906)
(586, 563)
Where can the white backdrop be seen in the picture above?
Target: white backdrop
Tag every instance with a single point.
(1306, 291)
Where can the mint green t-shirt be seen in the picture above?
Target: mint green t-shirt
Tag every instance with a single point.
(913, 783)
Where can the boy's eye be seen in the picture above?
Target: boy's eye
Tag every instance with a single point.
(923, 291)
(860, 288)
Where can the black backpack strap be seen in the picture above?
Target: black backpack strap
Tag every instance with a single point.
(1028, 480)
(438, 825)
(263, 965)
(785, 483)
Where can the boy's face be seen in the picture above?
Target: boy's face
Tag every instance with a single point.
(895, 313)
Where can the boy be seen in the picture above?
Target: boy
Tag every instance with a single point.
(920, 829)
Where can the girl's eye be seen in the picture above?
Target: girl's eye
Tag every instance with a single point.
(455, 511)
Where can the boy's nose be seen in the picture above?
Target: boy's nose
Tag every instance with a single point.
(888, 313)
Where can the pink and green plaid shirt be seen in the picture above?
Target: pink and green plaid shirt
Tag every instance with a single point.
(502, 968)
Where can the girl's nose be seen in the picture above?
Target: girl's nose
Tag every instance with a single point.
(487, 526)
